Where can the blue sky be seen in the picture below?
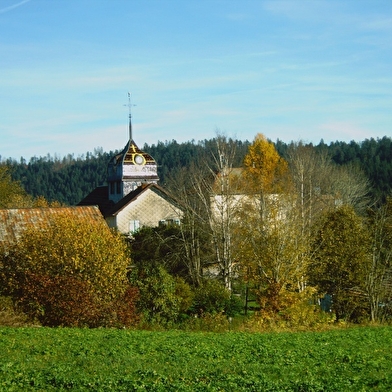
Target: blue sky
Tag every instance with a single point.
(292, 70)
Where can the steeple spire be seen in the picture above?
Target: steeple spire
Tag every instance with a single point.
(130, 115)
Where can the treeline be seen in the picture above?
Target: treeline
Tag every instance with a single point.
(372, 156)
(295, 228)
(69, 179)
(283, 234)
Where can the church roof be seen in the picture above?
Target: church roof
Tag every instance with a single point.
(134, 164)
(127, 155)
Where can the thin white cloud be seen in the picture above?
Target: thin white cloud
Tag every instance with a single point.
(11, 7)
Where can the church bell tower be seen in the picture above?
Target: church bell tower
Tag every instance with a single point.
(130, 168)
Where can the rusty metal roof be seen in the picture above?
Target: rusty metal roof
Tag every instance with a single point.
(14, 221)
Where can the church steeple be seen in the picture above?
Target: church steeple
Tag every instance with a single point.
(130, 168)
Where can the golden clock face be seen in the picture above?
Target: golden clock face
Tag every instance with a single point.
(138, 159)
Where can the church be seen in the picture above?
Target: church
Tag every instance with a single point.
(132, 197)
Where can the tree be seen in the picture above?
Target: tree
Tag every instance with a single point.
(265, 170)
(340, 255)
(12, 194)
(320, 184)
(194, 229)
(270, 245)
(217, 193)
(69, 179)
(379, 268)
(272, 251)
(212, 298)
(49, 268)
(153, 246)
(350, 186)
(310, 171)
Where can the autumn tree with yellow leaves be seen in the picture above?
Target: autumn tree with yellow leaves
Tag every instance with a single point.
(270, 245)
(72, 272)
(11, 192)
(265, 170)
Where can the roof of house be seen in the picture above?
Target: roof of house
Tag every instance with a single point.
(14, 221)
(99, 197)
(132, 196)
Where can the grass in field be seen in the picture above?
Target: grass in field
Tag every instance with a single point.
(43, 359)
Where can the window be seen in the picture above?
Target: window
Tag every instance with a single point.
(170, 222)
(134, 225)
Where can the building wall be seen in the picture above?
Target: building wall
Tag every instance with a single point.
(148, 209)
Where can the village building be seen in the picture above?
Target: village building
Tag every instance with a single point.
(147, 205)
(132, 197)
(14, 221)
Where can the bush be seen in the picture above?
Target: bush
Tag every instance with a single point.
(208, 322)
(163, 298)
(9, 316)
(184, 293)
(69, 301)
(212, 297)
(59, 301)
(296, 311)
(72, 272)
(125, 308)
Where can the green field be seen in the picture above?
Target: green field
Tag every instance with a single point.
(44, 359)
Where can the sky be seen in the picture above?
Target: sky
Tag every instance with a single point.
(292, 70)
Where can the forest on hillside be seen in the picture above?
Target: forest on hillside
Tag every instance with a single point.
(69, 179)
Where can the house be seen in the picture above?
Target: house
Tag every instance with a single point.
(232, 197)
(147, 205)
(132, 197)
(15, 220)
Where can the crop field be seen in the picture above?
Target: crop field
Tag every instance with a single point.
(44, 359)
